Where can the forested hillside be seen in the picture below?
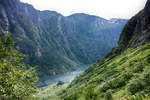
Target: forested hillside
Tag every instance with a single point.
(54, 43)
(123, 74)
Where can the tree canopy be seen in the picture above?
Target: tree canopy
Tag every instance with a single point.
(17, 79)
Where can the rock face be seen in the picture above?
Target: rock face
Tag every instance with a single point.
(137, 30)
(107, 75)
(56, 43)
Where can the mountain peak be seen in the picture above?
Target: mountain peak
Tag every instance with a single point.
(136, 32)
(61, 43)
(147, 7)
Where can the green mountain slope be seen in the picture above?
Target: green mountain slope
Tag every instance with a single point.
(124, 73)
(54, 43)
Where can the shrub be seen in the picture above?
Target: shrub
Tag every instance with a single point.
(148, 59)
(138, 68)
(136, 97)
(108, 95)
(134, 86)
(116, 83)
(89, 93)
(74, 96)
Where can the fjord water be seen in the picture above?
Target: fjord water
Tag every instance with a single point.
(65, 78)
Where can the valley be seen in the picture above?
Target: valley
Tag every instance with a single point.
(57, 43)
(62, 78)
(45, 55)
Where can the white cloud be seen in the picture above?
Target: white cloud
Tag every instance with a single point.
(102, 8)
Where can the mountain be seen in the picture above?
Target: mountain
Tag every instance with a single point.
(54, 43)
(123, 74)
(136, 32)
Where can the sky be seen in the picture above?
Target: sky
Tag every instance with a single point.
(104, 8)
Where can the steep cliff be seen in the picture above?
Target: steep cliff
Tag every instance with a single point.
(123, 74)
(54, 43)
(137, 30)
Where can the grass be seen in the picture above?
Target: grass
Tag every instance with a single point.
(50, 92)
(125, 76)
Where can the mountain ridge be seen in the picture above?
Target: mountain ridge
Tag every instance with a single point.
(52, 40)
(123, 72)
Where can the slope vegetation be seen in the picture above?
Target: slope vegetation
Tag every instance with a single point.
(54, 43)
(124, 72)
(123, 76)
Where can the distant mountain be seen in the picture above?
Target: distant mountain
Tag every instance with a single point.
(115, 20)
(54, 43)
(124, 73)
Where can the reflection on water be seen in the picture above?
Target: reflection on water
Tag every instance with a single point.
(66, 78)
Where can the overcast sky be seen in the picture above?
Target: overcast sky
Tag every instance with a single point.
(103, 8)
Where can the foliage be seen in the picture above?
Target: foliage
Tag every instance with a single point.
(122, 76)
(138, 96)
(108, 95)
(141, 83)
(56, 43)
(51, 92)
(89, 93)
(16, 79)
(135, 86)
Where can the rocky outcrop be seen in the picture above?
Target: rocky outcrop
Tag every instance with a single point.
(137, 30)
(56, 43)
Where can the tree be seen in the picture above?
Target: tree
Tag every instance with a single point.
(17, 79)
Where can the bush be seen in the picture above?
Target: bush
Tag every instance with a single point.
(108, 95)
(116, 83)
(148, 59)
(135, 86)
(105, 87)
(89, 93)
(136, 97)
(74, 96)
(138, 68)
